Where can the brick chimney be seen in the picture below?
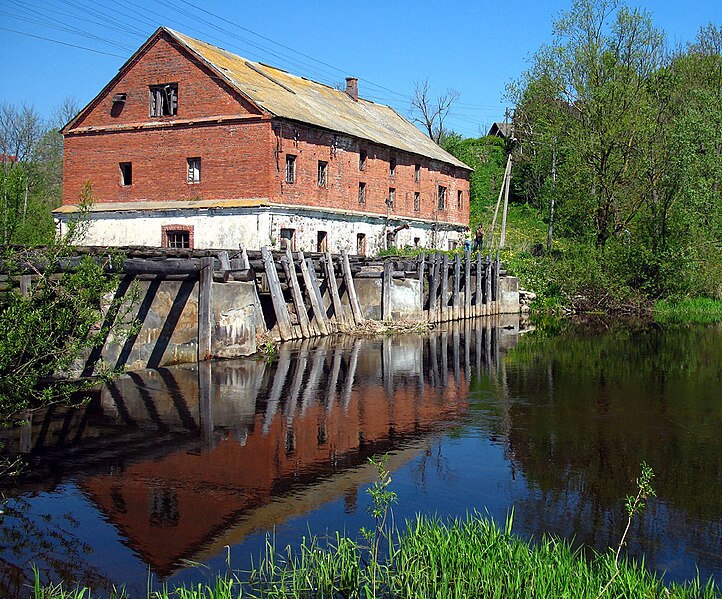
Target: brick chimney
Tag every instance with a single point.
(352, 87)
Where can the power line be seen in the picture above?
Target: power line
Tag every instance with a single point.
(47, 39)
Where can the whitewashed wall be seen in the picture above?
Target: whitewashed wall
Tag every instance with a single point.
(254, 227)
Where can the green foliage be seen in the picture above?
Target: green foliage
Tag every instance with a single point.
(487, 156)
(691, 311)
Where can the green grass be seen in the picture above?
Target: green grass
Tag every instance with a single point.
(471, 557)
(689, 311)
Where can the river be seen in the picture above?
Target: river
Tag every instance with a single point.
(173, 472)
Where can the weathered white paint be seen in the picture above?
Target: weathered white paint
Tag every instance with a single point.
(228, 228)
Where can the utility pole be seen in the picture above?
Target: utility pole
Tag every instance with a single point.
(551, 200)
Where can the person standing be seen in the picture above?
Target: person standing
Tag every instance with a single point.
(478, 238)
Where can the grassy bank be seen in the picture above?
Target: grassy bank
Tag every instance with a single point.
(457, 559)
(688, 311)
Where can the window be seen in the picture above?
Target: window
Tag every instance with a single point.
(362, 160)
(362, 193)
(417, 201)
(361, 244)
(392, 167)
(417, 173)
(417, 242)
(126, 173)
(164, 99)
(194, 170)
(322, 241)
(288, 239)
(459, 199)
(177, 236)
(178, 239)
(441, 196)
(322, 173)
(290, 168)
(392, 198)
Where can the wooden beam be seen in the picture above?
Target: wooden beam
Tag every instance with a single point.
(467, 283)
(290, 270)
(457, 287)
(386, 291)
(314, 294)
(333, 289)
(261, 325)
(358, 314)
(434, 289)
(478, 300)
(444, 287)
(205, 289)
(279, 302)
(420, 268)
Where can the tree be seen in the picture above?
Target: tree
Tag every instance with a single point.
(430, 112)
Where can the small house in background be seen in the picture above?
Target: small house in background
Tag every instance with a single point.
(503, 130)
(190, 146)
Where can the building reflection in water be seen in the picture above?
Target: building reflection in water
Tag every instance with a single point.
(186, 460)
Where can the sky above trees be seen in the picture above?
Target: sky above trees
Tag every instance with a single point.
(57, 49)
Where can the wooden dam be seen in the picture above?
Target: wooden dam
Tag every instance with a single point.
(194, 305)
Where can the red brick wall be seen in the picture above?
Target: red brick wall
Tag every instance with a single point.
(311, 145)
(235, 163)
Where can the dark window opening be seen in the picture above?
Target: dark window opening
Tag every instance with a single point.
(362, 193)
(178, 239)
(441, 196)
(459, 199)
(126, 173)
(392, 198)
(290, 168)
(288, 239)
(417, 173)
(392, 167)
(194, 170)
(164, 99)
(361, 244)
(417, 241)
(322, 241)
(362, 160)
(322, 173)
(417, 201)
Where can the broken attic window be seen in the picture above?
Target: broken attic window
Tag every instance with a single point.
(417, 173)
(362, 160)
(392, 167)
(290, 168)
(194, 170)
(164, 99)
(322, 173)
(126, 173)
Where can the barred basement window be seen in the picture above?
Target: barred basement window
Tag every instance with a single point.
(126, 173)
(361, 244)
(163, 99)
(441, 196)
(194, 170)
(290, 168)
(362, 193)
(322, 173)
(178, 239)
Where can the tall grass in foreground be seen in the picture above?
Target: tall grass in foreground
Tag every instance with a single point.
(700, 310)
(468, 558)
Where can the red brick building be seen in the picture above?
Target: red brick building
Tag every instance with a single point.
(190, 145)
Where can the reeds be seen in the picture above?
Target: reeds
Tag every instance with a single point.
(700, 310)
(432, 558)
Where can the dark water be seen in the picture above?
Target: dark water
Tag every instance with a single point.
(167, 469)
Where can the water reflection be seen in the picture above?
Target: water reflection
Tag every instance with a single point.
(185, 460)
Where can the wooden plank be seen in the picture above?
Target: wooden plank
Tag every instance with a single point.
(279, 302)
(224, 260)
(467, 283)
(434, 289)
(445, 287)
(356, 310)
(314, 294)
(457, 287)
(487, 284)
(478, 299)
(258, 311)
(333, 290)
(290, 268)
(420, 270)
(386, 291)
(205, 289)
(25, 281)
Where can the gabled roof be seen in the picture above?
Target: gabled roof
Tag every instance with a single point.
(287, 96)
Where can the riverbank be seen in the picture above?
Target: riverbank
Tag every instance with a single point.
(690, 311)
(472, 557)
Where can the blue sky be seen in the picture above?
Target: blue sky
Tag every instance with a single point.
(474, 47)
